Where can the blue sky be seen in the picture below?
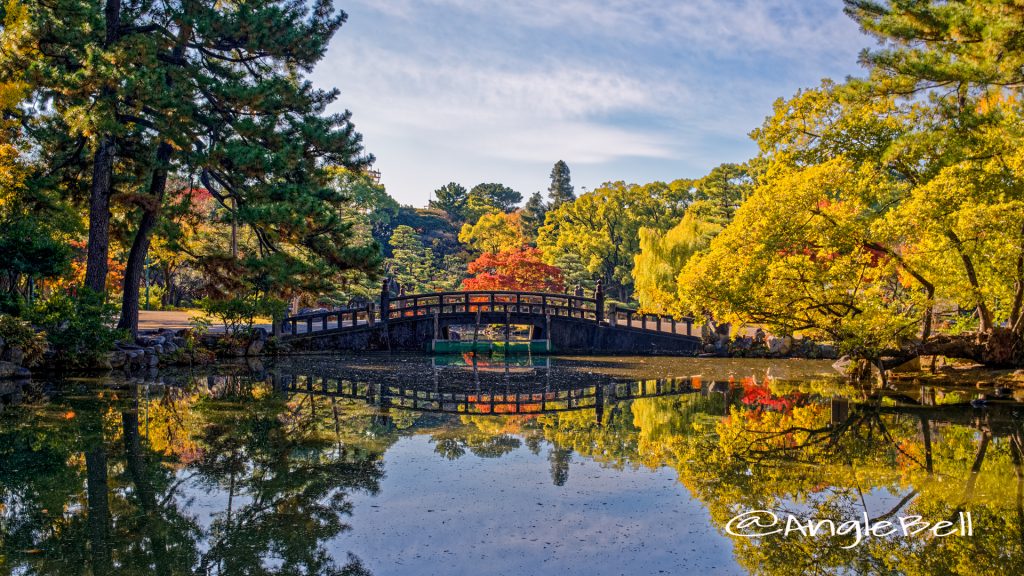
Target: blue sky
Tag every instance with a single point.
(638, 90)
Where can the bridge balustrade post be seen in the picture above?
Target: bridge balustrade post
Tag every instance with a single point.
(369, 314)
(629, 318)
(657, 322)
(385, 301)
(325, 319)
(309, 324)
(599, 307)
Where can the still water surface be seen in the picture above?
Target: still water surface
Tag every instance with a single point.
(412, 465)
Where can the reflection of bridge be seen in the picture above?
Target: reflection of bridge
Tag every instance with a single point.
(567, 323)
(473, 390)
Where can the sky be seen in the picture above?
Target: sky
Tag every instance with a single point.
(473, 91)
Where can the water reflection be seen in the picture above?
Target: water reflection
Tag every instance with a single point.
(255, 469)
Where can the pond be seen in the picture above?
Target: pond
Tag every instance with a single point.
(459, 465)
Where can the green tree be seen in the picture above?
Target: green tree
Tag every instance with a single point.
(453, 199)
(600, 229)
(662, 257)
(533, 214)
(561, 190)
(494, 233)
(411, 263)
(486, 198)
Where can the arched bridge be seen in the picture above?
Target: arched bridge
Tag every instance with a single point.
(557, 323)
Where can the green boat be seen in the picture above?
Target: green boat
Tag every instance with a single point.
(492, 347)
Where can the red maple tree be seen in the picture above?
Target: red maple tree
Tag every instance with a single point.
(518, 269)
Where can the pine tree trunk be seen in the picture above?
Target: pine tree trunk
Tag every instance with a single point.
(99, 216)
(140, 245)
(98, 248)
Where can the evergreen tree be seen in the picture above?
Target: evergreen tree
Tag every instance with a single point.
(561, 190)
(452, 198)
(485, 198)
(411, 263)
(211, 89)
(533, 216)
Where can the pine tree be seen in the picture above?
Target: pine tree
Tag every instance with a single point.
(411, 263)
(492, 197)
(217, 92)
(452, 198)
(561, 190)
(533, 216)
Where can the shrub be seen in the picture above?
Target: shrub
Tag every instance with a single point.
(19, 334)
(80, 328)
(239, 314)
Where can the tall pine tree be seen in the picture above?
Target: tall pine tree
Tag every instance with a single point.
(561, 190)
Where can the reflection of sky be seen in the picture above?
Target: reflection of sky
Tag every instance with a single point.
(505, 516)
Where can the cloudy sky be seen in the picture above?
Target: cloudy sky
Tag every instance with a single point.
(638, 90)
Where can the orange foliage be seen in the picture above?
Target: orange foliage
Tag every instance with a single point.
(115, 272)
(516, 269)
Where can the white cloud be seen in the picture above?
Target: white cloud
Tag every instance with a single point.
(523, 115)
(492, 89)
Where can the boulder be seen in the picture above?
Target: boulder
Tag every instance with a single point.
(844, 365)
(8, 369)
(255, 347)
(786, 347)
(16, 355)
(118, 358)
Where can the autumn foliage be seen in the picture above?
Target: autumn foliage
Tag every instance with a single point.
(515, 269)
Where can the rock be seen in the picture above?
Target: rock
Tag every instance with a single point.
(159, 349)
(170, 348)
(912, 365)
(786, 348)
(159, 340)
(118, 358)
(150, 350)
(8, 369)
(178, 341)
(843, 365)
(255, 347)
(775, 346)
(152, 360)
(16, 355)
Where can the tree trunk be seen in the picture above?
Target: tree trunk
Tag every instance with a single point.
(99, 508)
(157, 188)
(98, 248)
(140, 245)
(136, 464)
(99, 216)
(984, 315)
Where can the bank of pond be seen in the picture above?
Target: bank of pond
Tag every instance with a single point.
(462, 464)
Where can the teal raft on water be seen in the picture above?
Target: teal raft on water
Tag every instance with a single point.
(489, 346)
